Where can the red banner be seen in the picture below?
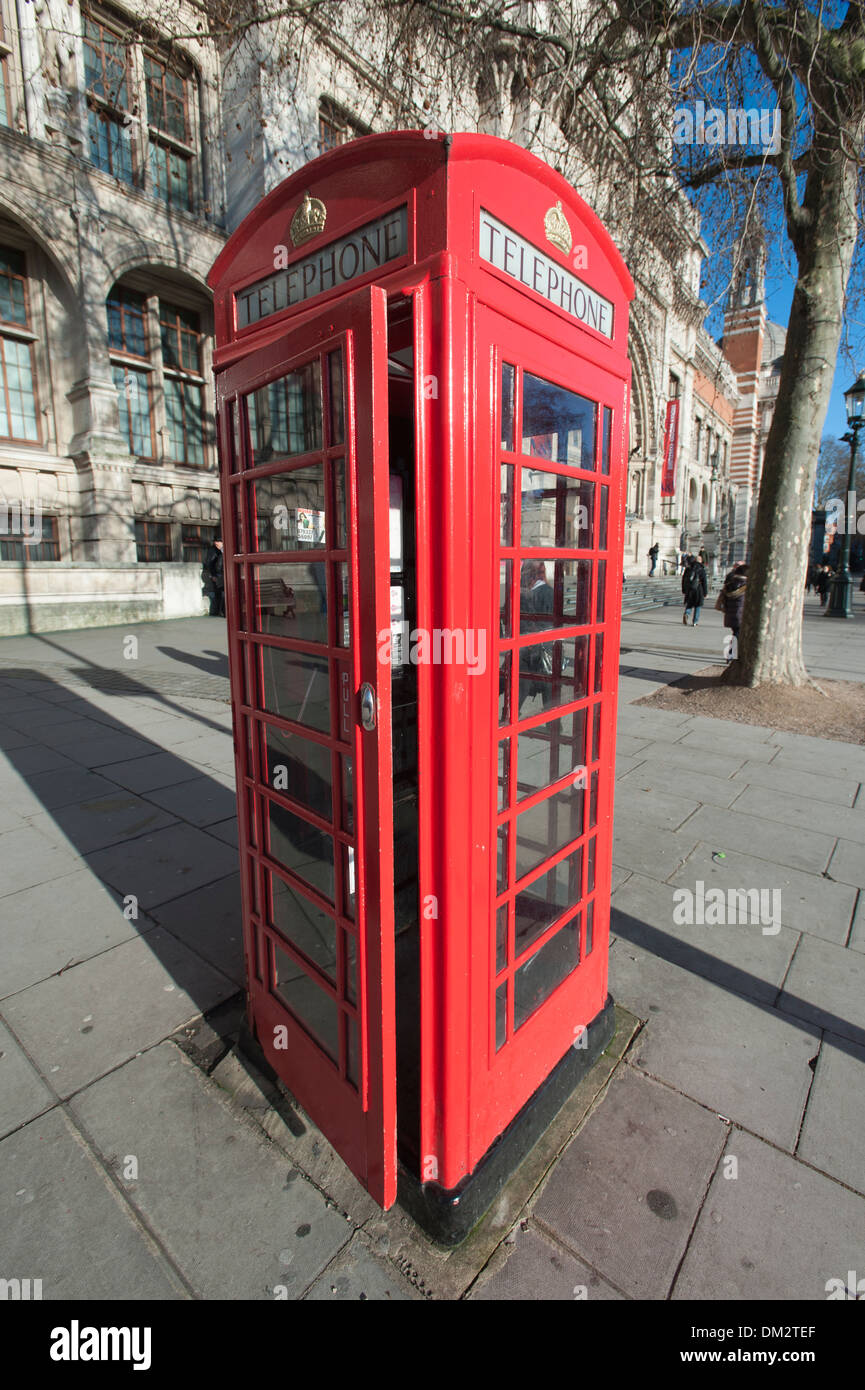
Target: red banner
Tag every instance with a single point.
(671, 449)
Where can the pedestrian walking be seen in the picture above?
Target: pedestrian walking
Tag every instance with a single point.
(823, 583)
(695, 587)
(732, 600)
(653, 558)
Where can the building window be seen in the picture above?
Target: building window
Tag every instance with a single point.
(171, 134)
(131, 369)
(124, 77)
(48, 547)
(157, 357)
(153, 541)
(180, 332)
(197, 542)
(18, 406)
(336, 126)
(5, 77)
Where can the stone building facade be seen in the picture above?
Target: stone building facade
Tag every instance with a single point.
(127, 155)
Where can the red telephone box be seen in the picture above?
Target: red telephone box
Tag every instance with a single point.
(422, 383)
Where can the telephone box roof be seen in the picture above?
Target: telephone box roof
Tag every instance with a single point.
(429, 152)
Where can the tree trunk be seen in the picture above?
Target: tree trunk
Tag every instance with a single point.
(770, 649)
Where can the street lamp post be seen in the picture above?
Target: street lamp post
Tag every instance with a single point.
(840, 603)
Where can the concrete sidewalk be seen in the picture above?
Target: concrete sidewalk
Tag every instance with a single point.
(713, 1152)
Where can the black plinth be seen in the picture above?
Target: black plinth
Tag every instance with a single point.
(448, 1216)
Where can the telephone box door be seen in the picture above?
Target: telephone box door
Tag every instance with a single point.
(306, 517)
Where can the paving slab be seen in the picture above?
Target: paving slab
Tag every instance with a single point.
(776, 1231)
(359, 1275)
(78, 1025)
(782, 844)
(211, 749)
(227, 831)
(530, 1267)
(662, 726)
(857, 931)
(646, 849)
(807, 902)
(12, 739)
(744, 1060)
(106, 820)
(23, 1093)
(731, 740)
(111, 748)
(209, 921)
(826, 986)
(627, 746)
(626, 1191)
(232, 1213)
(150, 772)
(688, 786)
(46, 930)
(831, 1137)
(35, 757)
(200, 801)
(637, 806)
(68, 787)
(798, 811)
(62, 1221)
(840, 791)
(29, 856)
(842, 764)
(847, 864)
(738, 955)
(674, 755)
(162, 866)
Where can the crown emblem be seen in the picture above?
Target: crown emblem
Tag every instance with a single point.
(557, 229)
(308, 220)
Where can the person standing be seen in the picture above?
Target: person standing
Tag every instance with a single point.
(695, 586)
(733, 597)
(822, 583)
(216, 570)
(653, 557)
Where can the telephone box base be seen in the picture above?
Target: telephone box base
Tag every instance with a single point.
(448, 1217)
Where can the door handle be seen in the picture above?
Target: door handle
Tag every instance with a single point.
(367, 706)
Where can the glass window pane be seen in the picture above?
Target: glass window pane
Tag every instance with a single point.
(501, 1015)
(601, 597)
(605, 446)
(502, 937)
(343, 606)
(298, 768)
(340, 503)
(285, 416)
(558, 424)
(294, 685)
(543, 902)
(535, 981)
(290, 601)
(502, 867)
(508, 380)
(504, 760)
(288, 510)
(506, 503)
(184, 411)
(544, 829)
(505, 661)
(552, 673)
(505, 568)
(602, 517)
(590, 926)
(337, 403)
(599, 660)
(301, 847)
(555, 510)
(555, 593)
(347, 795)
(133, 409)
(304, 925)
(309, 1003)
(551, 751)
